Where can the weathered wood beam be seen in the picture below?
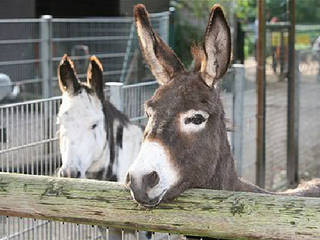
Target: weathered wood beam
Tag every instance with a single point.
(218, 214)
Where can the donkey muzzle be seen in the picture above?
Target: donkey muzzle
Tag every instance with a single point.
(139, 191)
(69, 173)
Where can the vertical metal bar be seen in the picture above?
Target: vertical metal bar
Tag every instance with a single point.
(54, 147)
(23, 141)
(2, 137)
(46, 55)
(17, 231)
(282, 52)
(122, 234)
(128, 53)
(108, 233)
(50, 117)
(37, 136)
(8, 138)
(32, 136)
(23, 227)
(27, 140)
(8, 227)
(41, 137)
(116, 94)
(239, 78)
(292, 138)
(17, 160)
(13, 138)
(35, 229)
(172, 11)
(261, 97)
(50, 232)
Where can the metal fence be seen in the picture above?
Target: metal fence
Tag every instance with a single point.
(29, 143)
(309, 112)
(276, 121)
(31, 49)
(28, 137)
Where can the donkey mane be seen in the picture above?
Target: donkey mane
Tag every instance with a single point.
(111, 116)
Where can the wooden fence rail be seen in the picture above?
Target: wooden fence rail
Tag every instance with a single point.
(218, 214)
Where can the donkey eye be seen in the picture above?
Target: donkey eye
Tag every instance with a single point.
(196, 119)
(94, 126)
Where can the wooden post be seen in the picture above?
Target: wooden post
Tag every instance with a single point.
(292, 133)
(261, 97)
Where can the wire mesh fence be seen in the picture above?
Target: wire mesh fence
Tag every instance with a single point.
(276, 121)
(29, 144)
(309, 112)
(16, 228)
(32, 48)
(28, 137)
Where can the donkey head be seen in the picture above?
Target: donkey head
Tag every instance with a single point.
(82, 127)
(185, 138)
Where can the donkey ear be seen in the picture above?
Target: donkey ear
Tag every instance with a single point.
(95, 76)
(217, 47)
(67, 78)
(162, 61)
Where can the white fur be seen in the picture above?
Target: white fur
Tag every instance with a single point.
(79, 148)
(79, 143)
(154, 157)
(132, 137)
(190, 127)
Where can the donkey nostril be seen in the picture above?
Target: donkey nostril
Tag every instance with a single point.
(128, 180)
(60, 173)
(151, 179)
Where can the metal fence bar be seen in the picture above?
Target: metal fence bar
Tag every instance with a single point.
(87, 39)
(116, 94)
(100, 56)
(239, 81)
(292, 140)
(293, 122)
(19, 41)
(46, 55)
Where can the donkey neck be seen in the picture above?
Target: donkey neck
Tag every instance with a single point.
(105, 165)
(225, 176)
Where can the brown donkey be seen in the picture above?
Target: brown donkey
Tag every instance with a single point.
(185, 141)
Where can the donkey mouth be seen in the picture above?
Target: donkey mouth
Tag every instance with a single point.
(152, 202)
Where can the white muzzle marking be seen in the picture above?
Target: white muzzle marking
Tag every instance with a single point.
(154, 157)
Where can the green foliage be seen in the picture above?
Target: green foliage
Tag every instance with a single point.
(246, 10)
(308, 12)
(192, 17)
